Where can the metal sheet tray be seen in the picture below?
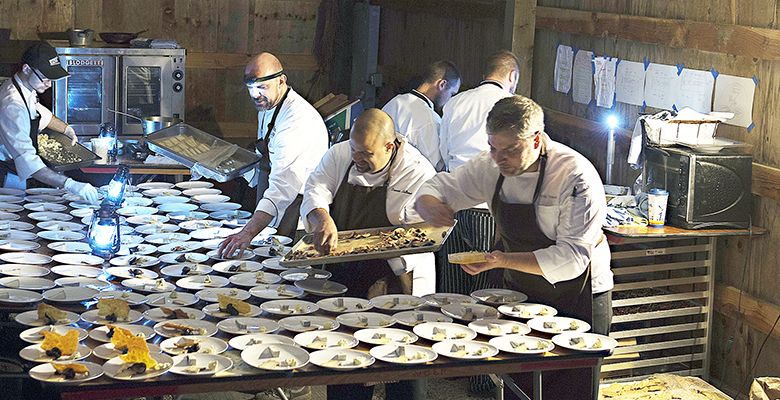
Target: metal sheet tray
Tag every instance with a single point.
(438, 234)
(189, 145)
(87, 157)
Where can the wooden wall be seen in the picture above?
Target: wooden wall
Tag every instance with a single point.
(736, 37)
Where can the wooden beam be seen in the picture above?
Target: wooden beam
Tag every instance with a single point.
(468, 9)
(739, 40)
(294, 62)
(519, 31)
(766, 181)
(759, 314)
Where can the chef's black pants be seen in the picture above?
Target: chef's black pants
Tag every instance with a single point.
(404, 390)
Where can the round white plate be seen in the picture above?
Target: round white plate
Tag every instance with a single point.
(137, 202)
(199, 282)
(133, 211)
(276, 292)
(187, 215)
(264, 239)
(30, 318)
(289, 307)
(185, 269)
(211, 244)
(200, 328)
(440, 299)
(101, 332)
(133, 299)
(199, 224)
(497, 297)
(15, 225)
(237, 267)
(213, 207)
(316, 340)
(414, 317)
(273, 263)
(46, 373)
(520, 344)
(527, 310)
(246, 325)
(135, 262)
(341, 359)
(166, 238)
(211, 198)
(131, 241)
(184, 364)
(157, 314)
(275, 357)
(179, 247)
(200, 192)
(469, 311)
(25, 258)
(77, 270)
(360, 320)
(49, 216)
(177, 207)
(151, 229)
(555, 325)
(244, 255)
(106, 351)
(305, 323)
(438, 331)
(33, 335)
(499, 327)
(344, 305)
(252, 279)
(405, 354)
(211, 233)
(15, 208)
(54, 207)
(70, 247)
(465, 349)
(18, 296)
(194, 185)
(70, 294)
(234, 223)
(161, 192)
(214, 311)
(115, 366)
(18, 245)
(12, 192)
(171, 299)
(18, 235)
(81, 281)
(26, 283)
(241, 342)
(154, 185)
(211, 294)
(149, 285)
(23, 270)
(321, 287)
(148, 219)
(379, 336)
(92, 317)
(48, 191)
(178, 258)
(78, 259)
(170, 199)
(57, 236)
(4, 216)
(228, 214)
(205, 345)
(299, 274)
(131, 272)
(397, 302)
(589, 342)
(81, 212)
(268, 251)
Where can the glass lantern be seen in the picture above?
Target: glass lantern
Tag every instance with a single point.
(115, 193)
(108, 132)
(103, 234)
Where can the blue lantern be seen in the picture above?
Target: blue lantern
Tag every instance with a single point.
(108, 131)
(104, 231)
(115, 193)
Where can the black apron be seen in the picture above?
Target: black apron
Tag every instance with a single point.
(289, 220)
(571, 298)
(35, 123)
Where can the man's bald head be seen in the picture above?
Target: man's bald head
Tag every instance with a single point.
(372, 140)
(266, 93)
(263, 64)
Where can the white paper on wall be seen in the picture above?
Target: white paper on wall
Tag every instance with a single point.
(630, 83)
(695, 90)
(563, 65)
(582, 77)
(661, 83)
(604, 80)
(735, 94)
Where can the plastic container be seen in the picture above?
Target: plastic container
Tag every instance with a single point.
(656, 207)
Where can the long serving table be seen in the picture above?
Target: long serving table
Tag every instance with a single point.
(242, 377)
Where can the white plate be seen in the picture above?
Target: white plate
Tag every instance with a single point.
(397, 302)
(54, 207)
(33, 335)
(133, 211)
(200, 192)
(106, 350)
(179, 247)
(214, 311)
(88, 220)
(137, 202)
(379, 336)
(131, 272)
(229, 214)
(247, 325)
(465, 349)
(273, 263)
(241, 342)
(497, 297)
(235, 223)
(49, 216)
(527, 310)
(17, 296)
(299, 274)
(187, 215)
(151, 229)
(211, 233)
(182, 364)
(135, 262)
(211, 198)
(101, 332)
(178, 270)
(201, 328)
(45, 373)
(157, 315)
(244, 255)
(561, 325)
(81, 204)
(198, 224)
(179, 258)
(211, 294)
(92, 317)
(47, 191)
(149, 285)
(252, 279)
(316, 340)
(405, 354)
(77, 270)
(268, 251)
(177, 207)
(78, 259)
(12, 192)
(30, 318)
(275, 357)
(171, 299)
(438, 331)
(362, 320)
(70, 247)
(148, 219)
(414, 317)
(170, 200)
(16, 225)
(321, 287)
(5, 198)
(237, 267)
(305, 323)
(25, 258)
(15, 208)
(341, 359)
(206, 345)
(499, 327)
(18, 235)
(4, 216)
(113, 368)
(469, 311)
(70, 294)
(133, 299)
(264, 239)
(585, 342)
(81, 281)
(289, 307)
(23, 270)
(154, 185)
(36, 354)
(18, 245)
(440, 299)
(212, 244)
(344, 304)
(26, 283)
(131, 241)
(212, 207)
(194, 185)
(166, 238)
(276, 292)
(161, 192)
(198, 282)
(81, 212)
(56, 236)
(519, 344)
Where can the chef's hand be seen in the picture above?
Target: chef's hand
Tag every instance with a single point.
(326, 235)
(69, 132)
(495, 259)
(85, 190)
(434, 211)
(234, 242)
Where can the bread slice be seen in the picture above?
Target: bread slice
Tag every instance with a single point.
(113, 309)
(50, 314)
(468, 257)
(241, 306)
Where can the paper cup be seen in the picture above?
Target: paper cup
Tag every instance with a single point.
(656, 207)
(100, 147)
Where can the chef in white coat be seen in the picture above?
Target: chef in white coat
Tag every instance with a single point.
(415, 114)
(292, 140)
(22, 118)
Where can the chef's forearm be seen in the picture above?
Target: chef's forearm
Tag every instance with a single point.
(57, 125)
(258, 222)
(48, 177)
(523, 262)
(317, 218)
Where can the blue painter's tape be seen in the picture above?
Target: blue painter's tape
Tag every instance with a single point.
(714, 73)
(593, 65)
(680, 68)
(643, 107)
(751, 126)
(755, 80)
(646, 61)
(674, 107)
(575, 49)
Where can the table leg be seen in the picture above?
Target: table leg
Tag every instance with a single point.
(509, 383)
(537, 385)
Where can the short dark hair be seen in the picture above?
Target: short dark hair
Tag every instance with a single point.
(441, 69)
(516, 115)
(501, 63)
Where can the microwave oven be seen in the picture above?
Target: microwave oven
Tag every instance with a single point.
(139, 81)
(705, 190)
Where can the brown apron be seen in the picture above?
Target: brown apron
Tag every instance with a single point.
(8, 166)
(517, 229)
(359, 207)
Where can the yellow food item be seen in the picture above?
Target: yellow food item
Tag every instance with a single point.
(76, 367)
(120, 337)
(468, 257)
(67, 343)
(241, 306)
(138, 352)
(113, 309)
(49, 313)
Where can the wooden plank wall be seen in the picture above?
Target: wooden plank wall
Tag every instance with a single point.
(736, 37)
(219, 35)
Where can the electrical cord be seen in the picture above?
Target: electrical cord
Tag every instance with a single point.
(750, 376)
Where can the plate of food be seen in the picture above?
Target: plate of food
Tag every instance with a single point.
(199, 224)
(60, 226)
(158, 285)
(133, 299)
(167, 238)
(179, 247)
(151, 229)
(497, 297)
(137, 202)
(189, 257)
(211, 295)
(171, 298)
(194, 185)
(469, 311)
(182, 327)
(188, 215)
(237, 266)
(214, 207)
(241, 342)
(275, 357)
(104, 333)
(46, 315)
(305, 323)
(66, 372)
(588, 342)
(197, 364)
(211, 198)
(25, 270)
(161, 192)
(82, 281)
(269, 239)
(403, 354)
(340, 305)
(193, 345)
(138, 367)
(272, 251)
(25, 258)
(71, 294)
(379, 336)
(321, 287)
(15, 208)
(131, 272)
(238, 254)
(148, 219)
(299, 274)
(200, 191)
(107, 351)
(70, 247)
(527, 310)
(397, 302)
(6, 216)
(77, 270)
(555, 325)
(229, 214)
(341, 359)
(54, 207)
(26, 283)
(216, 310)
(441, 299)
(521, 344)
(18, 235)
(70, 236)
(94, 317)
(185, 269)
(49, 216)
(247, 325)
(78, 259)
(465, 349)
(16, 226)
(170, 199)
(362, 320)
(36, 335)
(18, 245)
(276, 292)
(177, 207)
(198, 282)
(499, 327)
(440, 331)
(154, 185)
(316, 340)
(289, 307)
(163, 313)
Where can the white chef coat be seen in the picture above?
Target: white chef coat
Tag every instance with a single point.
(15, 142)
(417, 121)
(462, 134)
(407, 173)
(296, 145)
(570, 210)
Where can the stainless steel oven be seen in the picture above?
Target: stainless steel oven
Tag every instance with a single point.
(141, 82)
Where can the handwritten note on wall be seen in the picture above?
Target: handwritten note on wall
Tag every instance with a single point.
(695, 90)
(661, 82)
(563, 66)
(630, 83)
(582, 77)
(735, 94)
(604, 80)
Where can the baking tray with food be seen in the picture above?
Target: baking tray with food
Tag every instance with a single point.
(368, 244)
(189, 146)
(55, 150)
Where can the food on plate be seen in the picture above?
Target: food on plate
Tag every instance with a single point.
(340, 360)
(232, 305)
(194, 368)
(526, 346)
(573, 326)
(113, 309)
(250, 328)
(398, 238)
(597, 344)
(50, 315)
(495, 329)
(174, 313)
(191, 345)
(71, 371)
(119, 338)
(56, 345)
(319, 342)
(400, 354)
(137, 360)
(183, 329)
(577, 342)
(467, 257)
(551, 325)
